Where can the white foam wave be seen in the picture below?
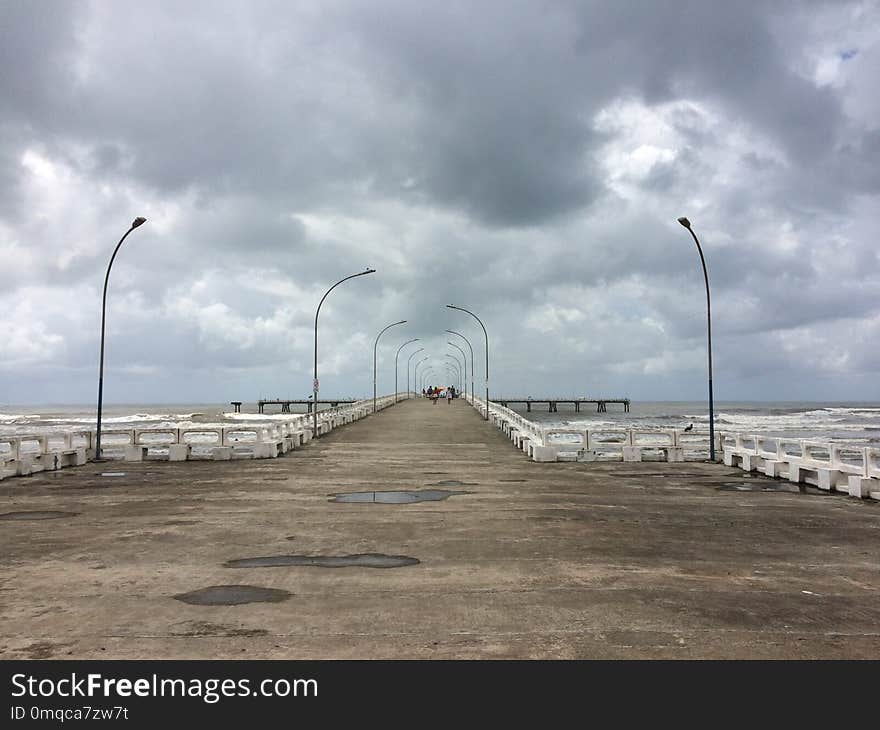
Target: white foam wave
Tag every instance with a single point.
(267, 417)
(133, 418)
(10, 418)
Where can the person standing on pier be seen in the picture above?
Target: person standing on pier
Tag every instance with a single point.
(450, 394)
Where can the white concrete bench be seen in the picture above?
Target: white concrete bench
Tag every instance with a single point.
(46, 456)
(743, 454)
(833, 466)
(562, 444)
(665, 441)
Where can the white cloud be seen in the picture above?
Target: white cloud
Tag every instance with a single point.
(532, 170)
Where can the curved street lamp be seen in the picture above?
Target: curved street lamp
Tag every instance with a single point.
(687, 224)
(139, 221)
(317, 312)
(453, 332)
(486, 335)
(412, 354)
(453, 375)
(419, 362)
(457, 366)
(416, 368)
(375, 347)
(416, 339)
(464, 359)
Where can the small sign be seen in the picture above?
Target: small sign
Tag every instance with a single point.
(315, 384)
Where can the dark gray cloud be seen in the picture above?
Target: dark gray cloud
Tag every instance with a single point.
(527, 160)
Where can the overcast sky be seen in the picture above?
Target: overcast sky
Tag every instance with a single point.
(525, 160)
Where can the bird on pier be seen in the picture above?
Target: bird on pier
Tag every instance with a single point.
(690, 428)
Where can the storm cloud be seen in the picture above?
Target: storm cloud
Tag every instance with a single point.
(526, 160)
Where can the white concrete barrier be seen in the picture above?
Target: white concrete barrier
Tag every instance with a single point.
(553, 443)
(830, 465)
(25, 454)
(853, 469)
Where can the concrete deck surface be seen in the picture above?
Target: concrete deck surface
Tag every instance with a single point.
(535, 561)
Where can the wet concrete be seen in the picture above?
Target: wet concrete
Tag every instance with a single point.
(232, 595)
(567, 560)
(37, 515)
(362, 560)
(772, 485)
(396, 497)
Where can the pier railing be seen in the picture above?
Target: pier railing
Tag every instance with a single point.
(849, 468)
(834, 466)
(25, 454)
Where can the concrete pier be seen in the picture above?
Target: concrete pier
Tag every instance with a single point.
(553, 403)
(533, 560)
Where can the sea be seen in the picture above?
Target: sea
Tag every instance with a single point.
(855, 422)
(842, 421)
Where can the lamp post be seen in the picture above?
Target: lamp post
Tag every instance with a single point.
(412, 354)
(687, 224)
(416, 368)
(453, 332)
(317, 312)
(135, 223)
(416, 339)
(453, 373)
(429, 372)
(375, 347)
(464, 360)
(486, 335)
(457, 366)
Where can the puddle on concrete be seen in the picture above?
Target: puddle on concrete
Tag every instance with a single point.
(113, 474)
(761, 486)
(232, 595)
(452, 483)
(37, 515)
(361, 560)
(396, 497)
(513, 480)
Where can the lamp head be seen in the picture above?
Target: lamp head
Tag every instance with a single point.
(685, 222)
(370, 271)
(139, 221)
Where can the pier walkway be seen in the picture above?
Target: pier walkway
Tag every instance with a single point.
(526, 560)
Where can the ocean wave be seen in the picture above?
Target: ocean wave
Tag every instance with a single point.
(865, 412)
(14, 418)
(262, 416)
(811, 420)
(134, 418)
